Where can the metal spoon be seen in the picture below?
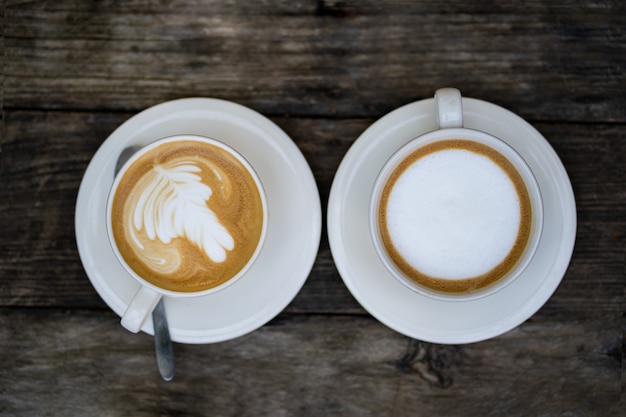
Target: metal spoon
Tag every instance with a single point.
(162, 340)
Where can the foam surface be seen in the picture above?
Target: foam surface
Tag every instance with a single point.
(453, 214)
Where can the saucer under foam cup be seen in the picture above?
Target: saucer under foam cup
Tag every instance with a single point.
(414, 314)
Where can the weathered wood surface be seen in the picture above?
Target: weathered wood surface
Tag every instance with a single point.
(323, 71)
(324, 58)
(76, 363)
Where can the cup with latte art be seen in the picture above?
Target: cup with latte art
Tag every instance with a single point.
(456, 214)
(186, 216)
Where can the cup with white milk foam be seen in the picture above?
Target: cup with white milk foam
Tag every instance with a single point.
(455, 214)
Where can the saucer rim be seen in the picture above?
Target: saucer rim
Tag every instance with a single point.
(420, 117)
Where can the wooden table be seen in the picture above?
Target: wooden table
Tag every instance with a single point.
(323, 71)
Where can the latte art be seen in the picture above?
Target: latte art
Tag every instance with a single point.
(173, 205)
(187, 216)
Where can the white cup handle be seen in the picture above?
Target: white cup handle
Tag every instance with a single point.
(137, 312)
(449, 108)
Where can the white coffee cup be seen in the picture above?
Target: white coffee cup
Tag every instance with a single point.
(455, 214)
(207, 236)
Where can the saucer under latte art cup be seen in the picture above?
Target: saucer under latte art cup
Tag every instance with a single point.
(455, 214)
(186, 217)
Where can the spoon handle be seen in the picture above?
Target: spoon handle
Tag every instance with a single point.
(162, 342)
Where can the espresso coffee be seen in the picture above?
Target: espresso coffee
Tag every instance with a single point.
(454, 216)
(187, 215)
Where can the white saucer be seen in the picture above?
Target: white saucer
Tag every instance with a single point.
(293, 234)
(406, 311)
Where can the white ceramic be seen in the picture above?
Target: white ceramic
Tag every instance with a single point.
(293, 232)
(414, 314)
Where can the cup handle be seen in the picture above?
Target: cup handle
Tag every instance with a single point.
(137, 312)
(449, 108)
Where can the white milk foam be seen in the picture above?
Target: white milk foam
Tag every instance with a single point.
(453, 214)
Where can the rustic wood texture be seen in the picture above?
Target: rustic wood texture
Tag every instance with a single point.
(308, 366)
(555, 62)
(73, 71)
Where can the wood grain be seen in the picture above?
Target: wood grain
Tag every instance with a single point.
(308, 366)
(330, 59)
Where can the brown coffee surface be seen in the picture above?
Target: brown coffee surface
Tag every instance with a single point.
(476, 282)
(187, 216)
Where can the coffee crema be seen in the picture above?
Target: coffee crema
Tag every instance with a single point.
(454, 216)
(187, 216)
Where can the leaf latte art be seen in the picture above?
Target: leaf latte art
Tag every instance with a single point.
(172, 205)
(187, 216)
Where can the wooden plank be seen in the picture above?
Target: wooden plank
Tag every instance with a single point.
(325, 59)
(44, 154)
(595, 158)
(76, 363)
